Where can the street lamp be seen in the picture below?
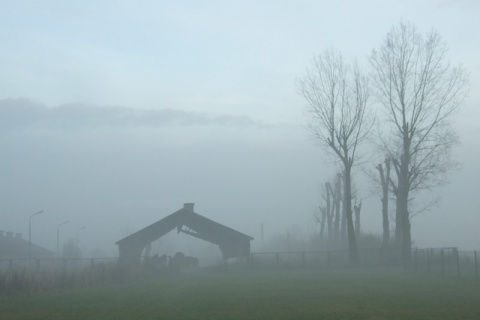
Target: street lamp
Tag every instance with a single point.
(58, 237)
(30, 233)
(78, 249)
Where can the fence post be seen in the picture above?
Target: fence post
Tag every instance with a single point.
(476, 264)
(416, 259)
(304, 264)
(457, 256)
(441, 261)
(428, 261)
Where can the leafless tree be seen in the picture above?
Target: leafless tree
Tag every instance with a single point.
(330, 213)
(419, 91)
(336, 96)
(326, 214)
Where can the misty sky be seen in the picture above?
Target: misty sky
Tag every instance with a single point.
(115, 113)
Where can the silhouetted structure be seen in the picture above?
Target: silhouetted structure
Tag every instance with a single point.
(12, 245)
(232, 243)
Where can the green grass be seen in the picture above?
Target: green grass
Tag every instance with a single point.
(323, 294)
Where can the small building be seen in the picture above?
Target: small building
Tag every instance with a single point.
(232, 243)
(13, 246)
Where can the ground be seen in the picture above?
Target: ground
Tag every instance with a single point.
(277, 294)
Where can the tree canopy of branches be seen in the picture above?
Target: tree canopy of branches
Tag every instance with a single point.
(336, 96)
(419, 91)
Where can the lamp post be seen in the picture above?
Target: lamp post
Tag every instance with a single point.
(30, 234)
(58, 237)
(78, 248)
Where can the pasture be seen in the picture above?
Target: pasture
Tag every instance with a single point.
(260, 294)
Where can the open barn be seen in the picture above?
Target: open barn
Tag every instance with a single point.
(232, 243)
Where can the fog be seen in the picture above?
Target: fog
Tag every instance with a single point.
(114, 114)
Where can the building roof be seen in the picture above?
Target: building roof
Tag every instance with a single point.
(187, 221)
(14, 246)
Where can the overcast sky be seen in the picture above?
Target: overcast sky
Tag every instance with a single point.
(115, 113)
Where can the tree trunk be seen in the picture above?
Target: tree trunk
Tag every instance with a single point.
(402, 201)
(322, 222)
(343, 227)
(347, 202)
(406, 237)
(338, 215)
(398, 219)
(407, 240)
(329, 212)
(385, 180)
(357, 209)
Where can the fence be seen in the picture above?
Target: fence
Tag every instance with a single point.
(323, 259)
(436, 261)
(25, 275)
(446, 262)
(52, 264)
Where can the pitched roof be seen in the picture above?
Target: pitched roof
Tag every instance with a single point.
(17, 247)
(196, 224)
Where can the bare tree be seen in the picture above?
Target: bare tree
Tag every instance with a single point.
(419, 91)
(330, 211)
(336, 97)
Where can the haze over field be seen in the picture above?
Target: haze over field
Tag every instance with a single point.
(115, 113)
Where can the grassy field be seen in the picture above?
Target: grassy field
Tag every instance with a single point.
(324, 294)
